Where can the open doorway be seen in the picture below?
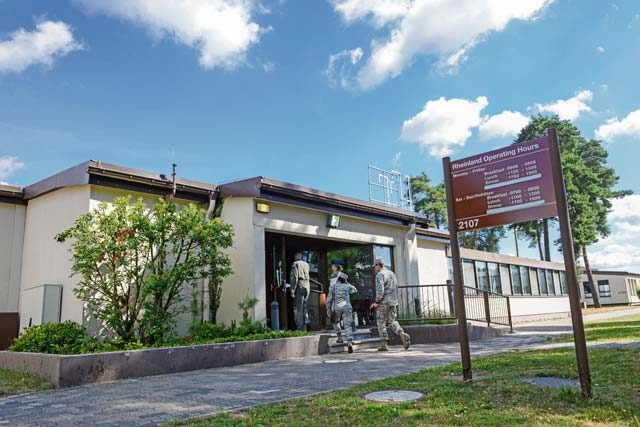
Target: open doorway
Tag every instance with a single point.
(357, 261)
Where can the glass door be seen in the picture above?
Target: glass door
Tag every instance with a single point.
(358, 265)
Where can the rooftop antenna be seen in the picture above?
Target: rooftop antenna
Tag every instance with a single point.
(390, 188)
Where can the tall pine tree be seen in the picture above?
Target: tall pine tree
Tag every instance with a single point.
(589, 183)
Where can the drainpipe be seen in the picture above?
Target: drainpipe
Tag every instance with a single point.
(212, 206)
(407, 253)
(207, 217)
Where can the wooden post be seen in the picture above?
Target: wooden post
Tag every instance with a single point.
(458, 287)
(570, 264)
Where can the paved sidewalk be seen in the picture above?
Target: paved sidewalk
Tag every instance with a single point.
(153, 400)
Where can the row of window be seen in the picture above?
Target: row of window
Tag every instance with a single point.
(634, 285)
(510, 279)
(604, 290)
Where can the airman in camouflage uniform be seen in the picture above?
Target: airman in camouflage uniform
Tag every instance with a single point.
(339, 306)
(300, 290)
(386, 306)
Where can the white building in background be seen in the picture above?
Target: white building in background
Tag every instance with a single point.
(615, 288)
(272, 221)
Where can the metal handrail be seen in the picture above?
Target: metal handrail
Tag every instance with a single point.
(450, 284)
(436, 302)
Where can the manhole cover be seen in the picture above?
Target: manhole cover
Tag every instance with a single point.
(336, 361)
(554, 382)
(393, 396)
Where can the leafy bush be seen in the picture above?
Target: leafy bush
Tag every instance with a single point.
(208, 331)
(54, 338)
(71, 338)
(212, 331)
(269, 335)
(134, 263)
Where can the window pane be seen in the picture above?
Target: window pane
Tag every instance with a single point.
(587, 289)
(535, 287)
(556, 283)
(494, 278)
(483, 275)
(515, 280)
(386, 253)
(526, 282)
(603, 287)
(469, 274)
(563, 283)
(542, 281)
(505, 279)
(549, 276)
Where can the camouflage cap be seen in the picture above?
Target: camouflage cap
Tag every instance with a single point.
(379, 260)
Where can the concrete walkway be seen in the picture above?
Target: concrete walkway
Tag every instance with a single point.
(153, 400)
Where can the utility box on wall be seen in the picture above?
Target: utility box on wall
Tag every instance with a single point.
(41, 304)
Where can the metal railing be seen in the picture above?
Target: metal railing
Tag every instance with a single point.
(420, 303)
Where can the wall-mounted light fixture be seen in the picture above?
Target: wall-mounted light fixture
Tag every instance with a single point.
(333, 221)
(263, 207)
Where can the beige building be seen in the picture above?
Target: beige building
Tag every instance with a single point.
(272, 221)
(615, 288)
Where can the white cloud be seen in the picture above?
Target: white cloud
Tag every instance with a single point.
(221, 30)
(446, 29)
(339, 70)
(614, 128)
(50, 40)
(621, 250)
(8, 166)
(444, 124)
(600, 49)
(507, 123)
(568, 109)
(380, 11)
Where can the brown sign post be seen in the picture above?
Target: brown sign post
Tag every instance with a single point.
(518, 183)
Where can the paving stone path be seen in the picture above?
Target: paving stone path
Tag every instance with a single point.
(154, 400)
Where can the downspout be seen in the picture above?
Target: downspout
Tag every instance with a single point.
(212, 206)
(407, 255)
(207, 217)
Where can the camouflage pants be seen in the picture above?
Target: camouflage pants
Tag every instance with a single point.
(347, 318)
(386, 317)
(300, 310)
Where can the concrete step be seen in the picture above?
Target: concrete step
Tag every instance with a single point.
(361, 344)
(357, 336)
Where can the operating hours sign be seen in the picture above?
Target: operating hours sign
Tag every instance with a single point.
(505, 186)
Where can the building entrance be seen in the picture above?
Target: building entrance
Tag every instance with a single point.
(357, 262)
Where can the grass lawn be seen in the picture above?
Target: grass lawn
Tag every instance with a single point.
(498, 397)
(12, 382)
(606, 309)
(625, 328)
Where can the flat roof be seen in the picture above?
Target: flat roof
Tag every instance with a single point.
(11, 194)
(434, 233)
(613, 273)
(107, 174)
(110, 175)
(272, 189)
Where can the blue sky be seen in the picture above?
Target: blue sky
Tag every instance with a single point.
(313, 91)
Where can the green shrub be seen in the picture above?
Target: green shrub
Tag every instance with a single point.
(247, 327)
(258, 336)
(54, 338)
(208, 331)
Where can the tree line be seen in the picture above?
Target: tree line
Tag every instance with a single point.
(590, 183)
